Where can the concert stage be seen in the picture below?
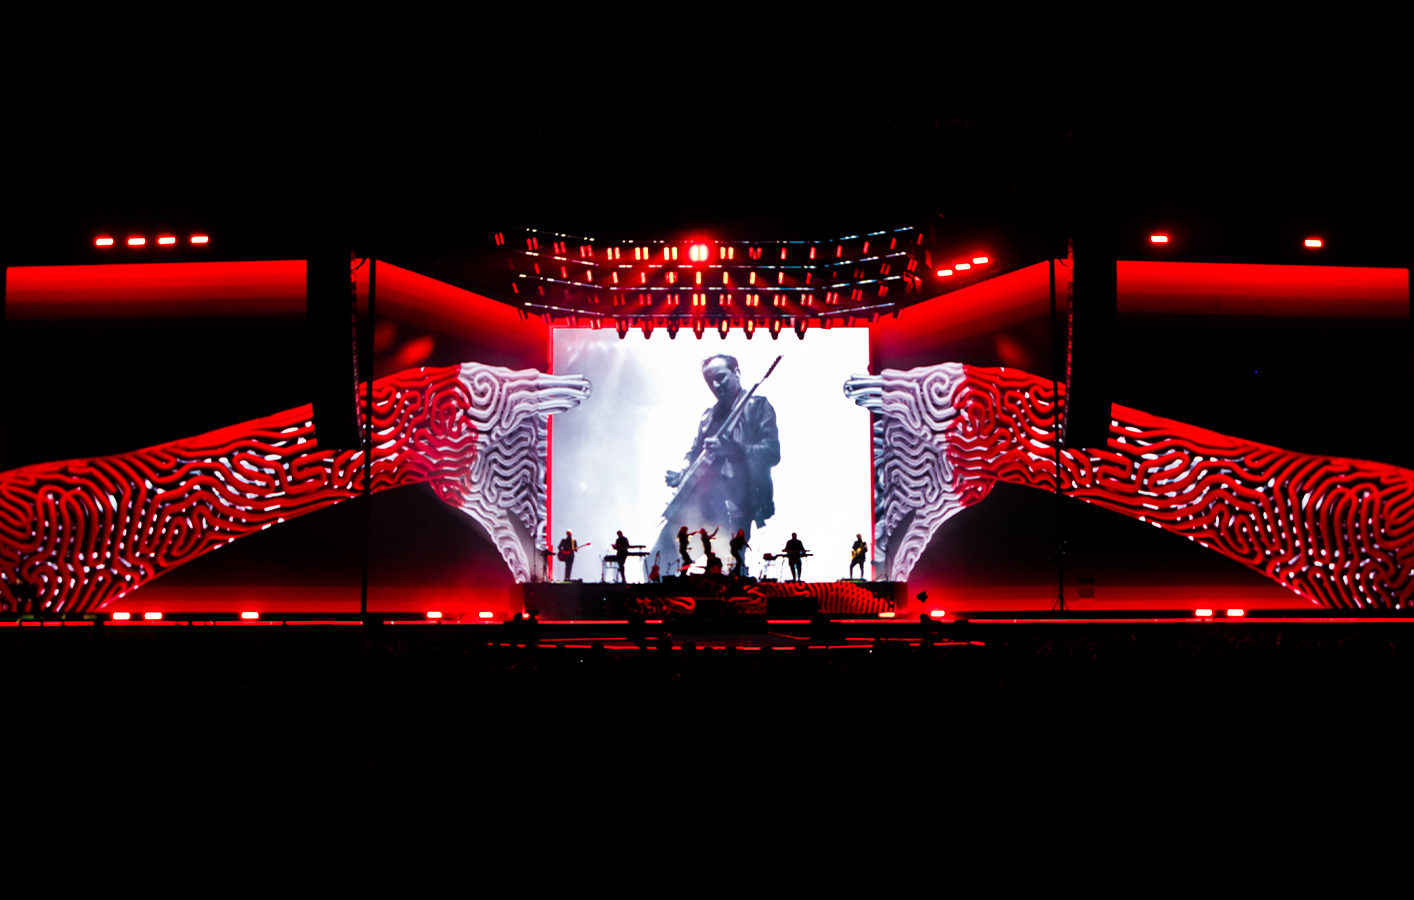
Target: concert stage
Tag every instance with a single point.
(711, 597)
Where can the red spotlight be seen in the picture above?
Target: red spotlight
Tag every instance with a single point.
(1236, 613)
(1203, 613)
(166, 239)
(486, 614)
(980, 260)
(886, 615)
(152, 616)
(136, 241)
(1314, 242)
(250, 615)
(1158, 239)
(200, 239)
(944, 273)
(103, 242)
(122, 617)
(962, 267)
(433, 614)
(937, 613)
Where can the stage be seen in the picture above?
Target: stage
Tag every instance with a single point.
(711, 596)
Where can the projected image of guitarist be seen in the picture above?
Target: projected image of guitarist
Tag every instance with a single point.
(726, 483)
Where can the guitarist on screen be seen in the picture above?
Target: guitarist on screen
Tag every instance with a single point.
(726, 482)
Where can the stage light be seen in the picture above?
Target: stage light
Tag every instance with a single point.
(698, 326)
(800, 326)
(963, 267)
(700, 253)
(937, 613)
(1314, 242)
(1236, 613)
(750, 327)
(1158, 239)
(1203, 613)
(166, 240)
(152, 616)
(775, 327)
(200, 239)
(723, 327)
(122, 617)
(486, 614)
(980, 260)
(250, 615)
(103, 242)
(886, 615)
(944, 273)
(672, 329)
(433, 614)
(136, 241)
(621, 326)
(647, 327)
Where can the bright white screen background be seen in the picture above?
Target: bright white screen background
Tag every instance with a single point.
(609, 455)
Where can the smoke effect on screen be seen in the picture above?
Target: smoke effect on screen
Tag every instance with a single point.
(609, 456)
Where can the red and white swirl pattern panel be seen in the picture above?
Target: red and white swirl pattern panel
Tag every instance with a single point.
(1336, 531)
(84, 532)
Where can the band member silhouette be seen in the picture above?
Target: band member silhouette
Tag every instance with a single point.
(857, 553)
(735, 490)
(739, 545)
(621, 553)
(568, 548)
(707, 539)
(684, 551)
(794, 551)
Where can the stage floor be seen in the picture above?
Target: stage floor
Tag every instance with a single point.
(712, 597)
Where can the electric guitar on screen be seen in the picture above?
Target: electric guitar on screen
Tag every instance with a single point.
(687, 484)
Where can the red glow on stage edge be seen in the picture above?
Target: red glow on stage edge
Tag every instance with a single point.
(1158, 239)
(1236, 613)
(1203, 613)
(103, 242)
(152, 616)
(1314, 242)
(200, 239)
(122, 617)
(250, 615)
(433, 614)
(485, 615)
(136, 241)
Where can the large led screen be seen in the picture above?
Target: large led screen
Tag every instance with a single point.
(611, 456)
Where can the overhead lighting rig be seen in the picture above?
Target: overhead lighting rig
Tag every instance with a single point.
(708, 283)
